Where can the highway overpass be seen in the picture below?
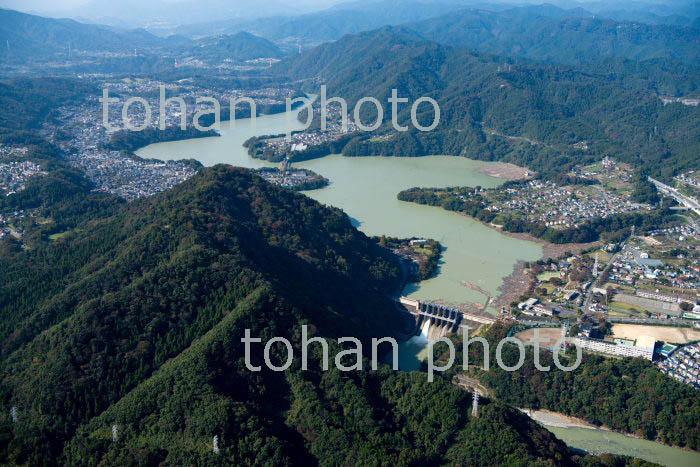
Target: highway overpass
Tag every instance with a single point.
(682, 199)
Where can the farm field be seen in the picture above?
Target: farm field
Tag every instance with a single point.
(552, 336)
(676, 335)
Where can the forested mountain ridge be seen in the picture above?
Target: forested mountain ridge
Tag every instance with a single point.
(134, 321)
(28, 38)
(23, 35)
(560, 36)
(162, 272)
(486, 101)
(541, 32)
(239, 46)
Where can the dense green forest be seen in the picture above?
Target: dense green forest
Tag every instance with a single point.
(612, 228)
(28, 102)
(240, 47)
(127, 140)
(644, 191)
(496, 108)
(538, 32)
(133, 317)
(135, 320)
(625, 394)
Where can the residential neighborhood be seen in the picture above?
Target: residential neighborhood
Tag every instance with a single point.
(562, 206)
(85, 139)
(683, 364)
(14, 175)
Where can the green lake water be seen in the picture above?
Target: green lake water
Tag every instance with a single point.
(366, 188)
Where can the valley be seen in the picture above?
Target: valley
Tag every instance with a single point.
(195, 194)
(366, 188)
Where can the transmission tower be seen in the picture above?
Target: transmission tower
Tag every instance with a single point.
(475, 404)
(595, 266)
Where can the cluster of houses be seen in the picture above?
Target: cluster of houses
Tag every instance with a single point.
(14, 175)
(13, 150)
(128, 178)
(302, 140)
(190, 94)
(10, 217)
(681, 233)
(689, 178)
(555, 206)
(111, 171)
(635, 265)
(684, 365)
(293, 179)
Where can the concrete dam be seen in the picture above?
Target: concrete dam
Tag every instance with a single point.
(434, 320)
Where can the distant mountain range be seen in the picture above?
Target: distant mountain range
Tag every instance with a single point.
(315, 28)
(551, 34)
(155, 13)
(22, 34)
(160, 15)
(544, 33)
(26, 37)
(541, 32)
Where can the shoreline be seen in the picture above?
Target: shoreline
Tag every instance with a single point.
(519, 281)
(514, 285)
(505, 171)
(549, 250)
(547, 418)
(559, 420)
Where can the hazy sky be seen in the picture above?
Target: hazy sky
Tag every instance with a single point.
(55, 5)
(41, 4)
(58, 5)
(145, 13)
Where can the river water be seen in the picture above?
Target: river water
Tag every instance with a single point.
(600, 441)
(366, 188)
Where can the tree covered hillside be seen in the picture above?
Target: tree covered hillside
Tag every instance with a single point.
(495, 108)
(135, 320)
(105, 306)
(559, 36)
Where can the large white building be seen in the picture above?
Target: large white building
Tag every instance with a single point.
(643, 347)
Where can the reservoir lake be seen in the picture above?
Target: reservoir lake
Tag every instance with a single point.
(366, 188)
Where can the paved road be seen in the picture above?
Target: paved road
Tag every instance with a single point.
(470, 384)
(682, 199)
(589, 292)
